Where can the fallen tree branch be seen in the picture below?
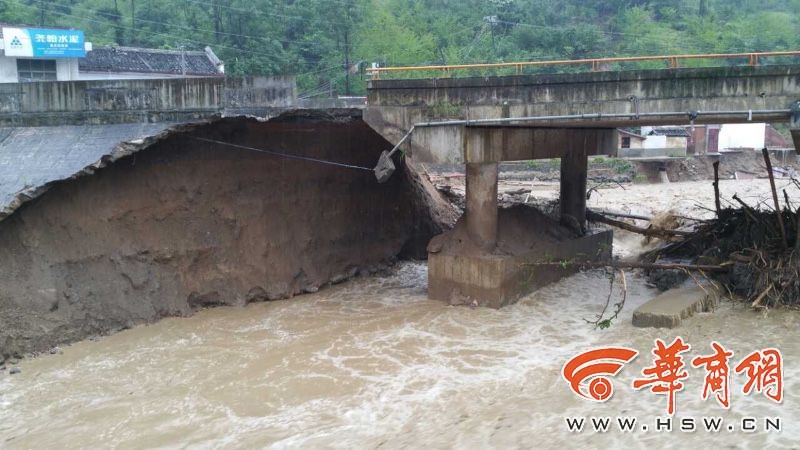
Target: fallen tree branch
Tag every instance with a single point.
(649, 232)
(747, 208)
(601, 321)
(623, 215)
(761, 297)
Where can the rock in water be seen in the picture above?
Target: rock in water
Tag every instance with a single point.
(14, 371)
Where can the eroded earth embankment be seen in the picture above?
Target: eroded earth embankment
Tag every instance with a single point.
(183, 224)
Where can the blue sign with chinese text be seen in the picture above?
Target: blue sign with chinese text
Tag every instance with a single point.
(44, 43)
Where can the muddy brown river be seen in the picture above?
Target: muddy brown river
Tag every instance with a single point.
(374, 364)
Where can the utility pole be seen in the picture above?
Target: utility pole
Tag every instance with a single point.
(133, 22)
(347, 61)
(217, 20)
(41, 12)
(183, 60)
(119, 34)
(703, 10)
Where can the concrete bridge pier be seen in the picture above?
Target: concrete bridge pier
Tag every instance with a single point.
(481, 208)
(495, 256)
(574, 170)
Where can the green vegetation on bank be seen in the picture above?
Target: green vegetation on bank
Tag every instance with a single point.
(317, 39)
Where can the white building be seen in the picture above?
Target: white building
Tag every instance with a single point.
(751, 136)
(58, 54)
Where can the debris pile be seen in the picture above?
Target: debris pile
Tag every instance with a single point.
(761, 266)
(756, 249)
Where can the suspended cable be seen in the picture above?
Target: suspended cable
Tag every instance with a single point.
(285, 155)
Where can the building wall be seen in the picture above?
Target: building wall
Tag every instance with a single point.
(677, 142)
(67, 69)
(142, 100)
(775, 140)
(743, 135)
(704, 140)
(8, 70)
(655, 142)
(697, 141)
(636, 142)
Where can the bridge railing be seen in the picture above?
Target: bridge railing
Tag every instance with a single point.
(596, 64)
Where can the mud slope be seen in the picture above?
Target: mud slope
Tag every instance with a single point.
(185, 224)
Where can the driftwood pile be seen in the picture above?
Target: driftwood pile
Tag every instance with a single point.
(744, 251)
(753, 252)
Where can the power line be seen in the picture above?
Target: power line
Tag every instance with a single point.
(286, 155)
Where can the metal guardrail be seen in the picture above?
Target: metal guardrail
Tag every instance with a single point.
(753, 59)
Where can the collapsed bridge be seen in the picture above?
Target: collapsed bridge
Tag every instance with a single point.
(482, 121)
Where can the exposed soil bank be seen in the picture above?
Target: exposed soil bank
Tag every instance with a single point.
(185, 224)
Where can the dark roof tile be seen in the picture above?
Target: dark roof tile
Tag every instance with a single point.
(669, 132)
(143, 60)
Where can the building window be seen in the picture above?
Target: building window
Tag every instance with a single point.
(36, 70)
(626, 142)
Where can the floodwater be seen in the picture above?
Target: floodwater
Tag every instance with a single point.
(374, 364)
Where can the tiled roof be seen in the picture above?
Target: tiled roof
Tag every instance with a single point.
(669, 132)
(145, 60)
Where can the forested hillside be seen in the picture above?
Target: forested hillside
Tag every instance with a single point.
(316, 39)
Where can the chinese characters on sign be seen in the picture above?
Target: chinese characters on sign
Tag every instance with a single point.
(588, 373)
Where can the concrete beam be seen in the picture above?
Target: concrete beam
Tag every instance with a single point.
(481, 211)
(495, 144)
